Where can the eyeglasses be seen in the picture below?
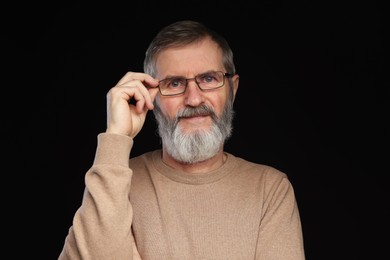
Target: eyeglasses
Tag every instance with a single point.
(205, 81)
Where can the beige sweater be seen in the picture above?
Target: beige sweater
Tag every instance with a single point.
(241, 211)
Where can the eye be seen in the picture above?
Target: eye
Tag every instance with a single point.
(207, 78)
(175, 83)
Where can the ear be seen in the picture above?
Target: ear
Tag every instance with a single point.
(235, 79)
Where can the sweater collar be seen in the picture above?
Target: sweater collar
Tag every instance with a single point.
(194, 179)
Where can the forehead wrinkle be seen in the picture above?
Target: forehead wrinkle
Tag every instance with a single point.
(190, 60)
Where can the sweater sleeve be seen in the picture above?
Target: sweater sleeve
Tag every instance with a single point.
(280, 236)
(101, 227)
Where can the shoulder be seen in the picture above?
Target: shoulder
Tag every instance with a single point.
(254, 168)
(145, 165)
(258, 174)
(141, 161)
(257, 178)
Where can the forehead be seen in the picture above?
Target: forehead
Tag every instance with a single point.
(190, 59)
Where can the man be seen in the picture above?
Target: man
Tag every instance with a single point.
(191, 199)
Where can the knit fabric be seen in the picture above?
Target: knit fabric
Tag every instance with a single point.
(242, 210)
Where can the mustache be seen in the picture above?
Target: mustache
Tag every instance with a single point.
(202, 110)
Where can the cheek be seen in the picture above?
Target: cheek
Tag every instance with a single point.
(168, 107)
(218, 103)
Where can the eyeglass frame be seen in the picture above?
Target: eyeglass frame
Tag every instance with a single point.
(225, 75)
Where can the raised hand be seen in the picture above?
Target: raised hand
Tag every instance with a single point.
(128, 103)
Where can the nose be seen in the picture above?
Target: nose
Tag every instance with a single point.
(193, 95)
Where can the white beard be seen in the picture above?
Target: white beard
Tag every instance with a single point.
(199, 145)
(194, 147)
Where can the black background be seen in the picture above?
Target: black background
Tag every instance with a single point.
(313, 102)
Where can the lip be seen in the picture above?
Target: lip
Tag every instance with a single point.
(195, 119)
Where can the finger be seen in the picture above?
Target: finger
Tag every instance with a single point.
(153, 93)
(136, 90)
(143, 77)
(142, 81)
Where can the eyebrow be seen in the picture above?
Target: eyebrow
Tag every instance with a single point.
(173, 76)
(183, 77)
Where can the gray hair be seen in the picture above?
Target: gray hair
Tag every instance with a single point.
(182, 33)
